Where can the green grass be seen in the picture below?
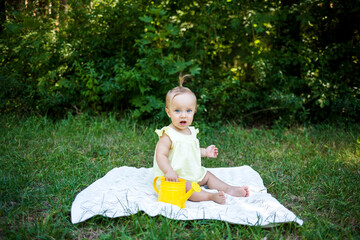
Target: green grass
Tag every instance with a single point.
(312, 170)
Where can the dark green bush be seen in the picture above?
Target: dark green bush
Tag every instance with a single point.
(252, 62)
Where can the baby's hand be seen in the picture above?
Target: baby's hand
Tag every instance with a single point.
(171, 176)
(211, 151)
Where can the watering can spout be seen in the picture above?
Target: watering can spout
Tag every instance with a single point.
(194, 187)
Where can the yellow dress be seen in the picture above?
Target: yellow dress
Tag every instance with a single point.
(184, 155)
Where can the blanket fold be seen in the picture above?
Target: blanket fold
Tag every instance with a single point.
(127, 190)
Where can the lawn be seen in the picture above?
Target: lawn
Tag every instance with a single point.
(313, 170)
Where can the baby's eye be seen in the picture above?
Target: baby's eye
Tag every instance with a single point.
(177, 111)
(189, 110)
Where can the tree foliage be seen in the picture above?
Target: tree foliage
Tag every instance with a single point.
(268, 61)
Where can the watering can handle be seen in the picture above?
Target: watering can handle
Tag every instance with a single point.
(154, 184)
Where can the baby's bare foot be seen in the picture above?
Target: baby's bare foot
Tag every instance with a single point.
(239, 191)
(219, 197)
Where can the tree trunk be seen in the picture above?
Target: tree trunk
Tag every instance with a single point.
(2, 15)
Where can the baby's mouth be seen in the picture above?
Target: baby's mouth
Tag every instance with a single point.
(182, 122)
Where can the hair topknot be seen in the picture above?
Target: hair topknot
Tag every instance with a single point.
(179, 90)
(181, 79)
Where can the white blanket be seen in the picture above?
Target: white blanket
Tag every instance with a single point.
(127, 190)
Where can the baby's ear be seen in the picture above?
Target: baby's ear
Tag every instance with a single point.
(167, 111)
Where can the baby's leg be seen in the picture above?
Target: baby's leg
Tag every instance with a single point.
(218, 197)
(215, 183)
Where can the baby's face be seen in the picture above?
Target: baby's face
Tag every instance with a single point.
(181, 111)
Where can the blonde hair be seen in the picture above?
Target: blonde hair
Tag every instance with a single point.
(178, 91)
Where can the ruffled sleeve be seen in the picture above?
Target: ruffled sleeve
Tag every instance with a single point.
(161, 131)
(194, 130)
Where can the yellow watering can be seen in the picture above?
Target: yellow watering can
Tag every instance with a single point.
(174, 192)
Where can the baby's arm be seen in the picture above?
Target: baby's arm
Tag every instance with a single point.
(211, 151)
(162, 154)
